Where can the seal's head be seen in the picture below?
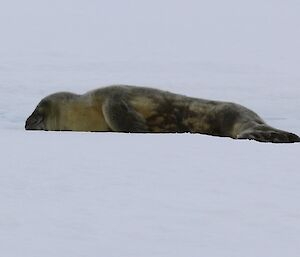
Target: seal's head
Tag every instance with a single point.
(47, 114)
(38, 119)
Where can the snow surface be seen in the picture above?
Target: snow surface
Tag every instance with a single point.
(126, 195)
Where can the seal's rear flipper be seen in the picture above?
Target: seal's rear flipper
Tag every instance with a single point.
(265, 133)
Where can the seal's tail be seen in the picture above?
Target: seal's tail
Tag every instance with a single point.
(265, 133)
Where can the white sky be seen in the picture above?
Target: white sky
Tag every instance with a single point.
(263, 33)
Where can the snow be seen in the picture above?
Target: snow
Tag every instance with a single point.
(82, 194)
(106, 194)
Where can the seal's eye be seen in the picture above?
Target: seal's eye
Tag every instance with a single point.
(40, 111)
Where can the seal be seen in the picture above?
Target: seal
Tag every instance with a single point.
(122, 108)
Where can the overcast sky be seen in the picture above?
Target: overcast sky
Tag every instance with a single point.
(263, 33)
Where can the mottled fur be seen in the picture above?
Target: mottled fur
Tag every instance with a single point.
(146, 110)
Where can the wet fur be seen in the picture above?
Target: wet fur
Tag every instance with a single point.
(147, 110)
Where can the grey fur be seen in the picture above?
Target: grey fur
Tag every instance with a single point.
(122, 108)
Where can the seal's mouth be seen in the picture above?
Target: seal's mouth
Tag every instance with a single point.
(35, 122)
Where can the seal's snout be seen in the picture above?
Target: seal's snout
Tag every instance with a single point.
(27, 125)
(34, 122)
(29, 122)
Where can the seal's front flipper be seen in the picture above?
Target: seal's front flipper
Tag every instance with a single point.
(121, 117)
(264, 133)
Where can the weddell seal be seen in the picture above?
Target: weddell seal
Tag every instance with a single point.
(121, 108)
